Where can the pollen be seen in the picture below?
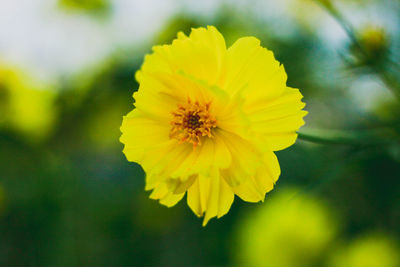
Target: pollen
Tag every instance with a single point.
(191, 122)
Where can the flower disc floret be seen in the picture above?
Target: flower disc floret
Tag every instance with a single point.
(191, 121)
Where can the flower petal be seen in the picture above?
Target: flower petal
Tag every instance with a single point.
(205, 47)
(253, 71)
(210, 196)
(141, 134)
(177, 186)
(255, 187)
(211, 153)
(155, 99)
(246, 158)
(277, 121)
(166, 196)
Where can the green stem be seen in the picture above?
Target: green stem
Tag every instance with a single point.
(336, 137)
(341, 20)
(391, 82)
(326, 139)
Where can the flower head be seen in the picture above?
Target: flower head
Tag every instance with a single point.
(291, 229)
(208, 120)
(25, 106)
(370, 249)
(375, 41)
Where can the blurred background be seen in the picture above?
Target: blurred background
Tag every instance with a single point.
(68, 196)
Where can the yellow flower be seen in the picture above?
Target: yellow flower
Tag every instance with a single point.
(291, 229)
(372, 249)
(26, 104)
(374, 39)
(207, 121)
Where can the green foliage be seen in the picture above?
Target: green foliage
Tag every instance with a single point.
(72, 199)
(91, 6)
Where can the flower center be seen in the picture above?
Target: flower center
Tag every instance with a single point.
(191, 121)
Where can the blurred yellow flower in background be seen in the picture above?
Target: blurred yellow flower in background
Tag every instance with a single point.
(374, 40)
(101, 6)
(208, 120)
(291, 229)
(370, 250)
(26, 106)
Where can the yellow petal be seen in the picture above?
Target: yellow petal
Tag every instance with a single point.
(177, 186)
(211, 153)
(198, 194)
(210, 196)
(277, 121)
(140, 135)
(165, 196)
(171, 199)
(160, 191)
(156, 100)
(246, 158)
(253, 69)
(166, 159)
(254, 188)
(205, 47)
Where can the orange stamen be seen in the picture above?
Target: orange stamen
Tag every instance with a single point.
(191, 121)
